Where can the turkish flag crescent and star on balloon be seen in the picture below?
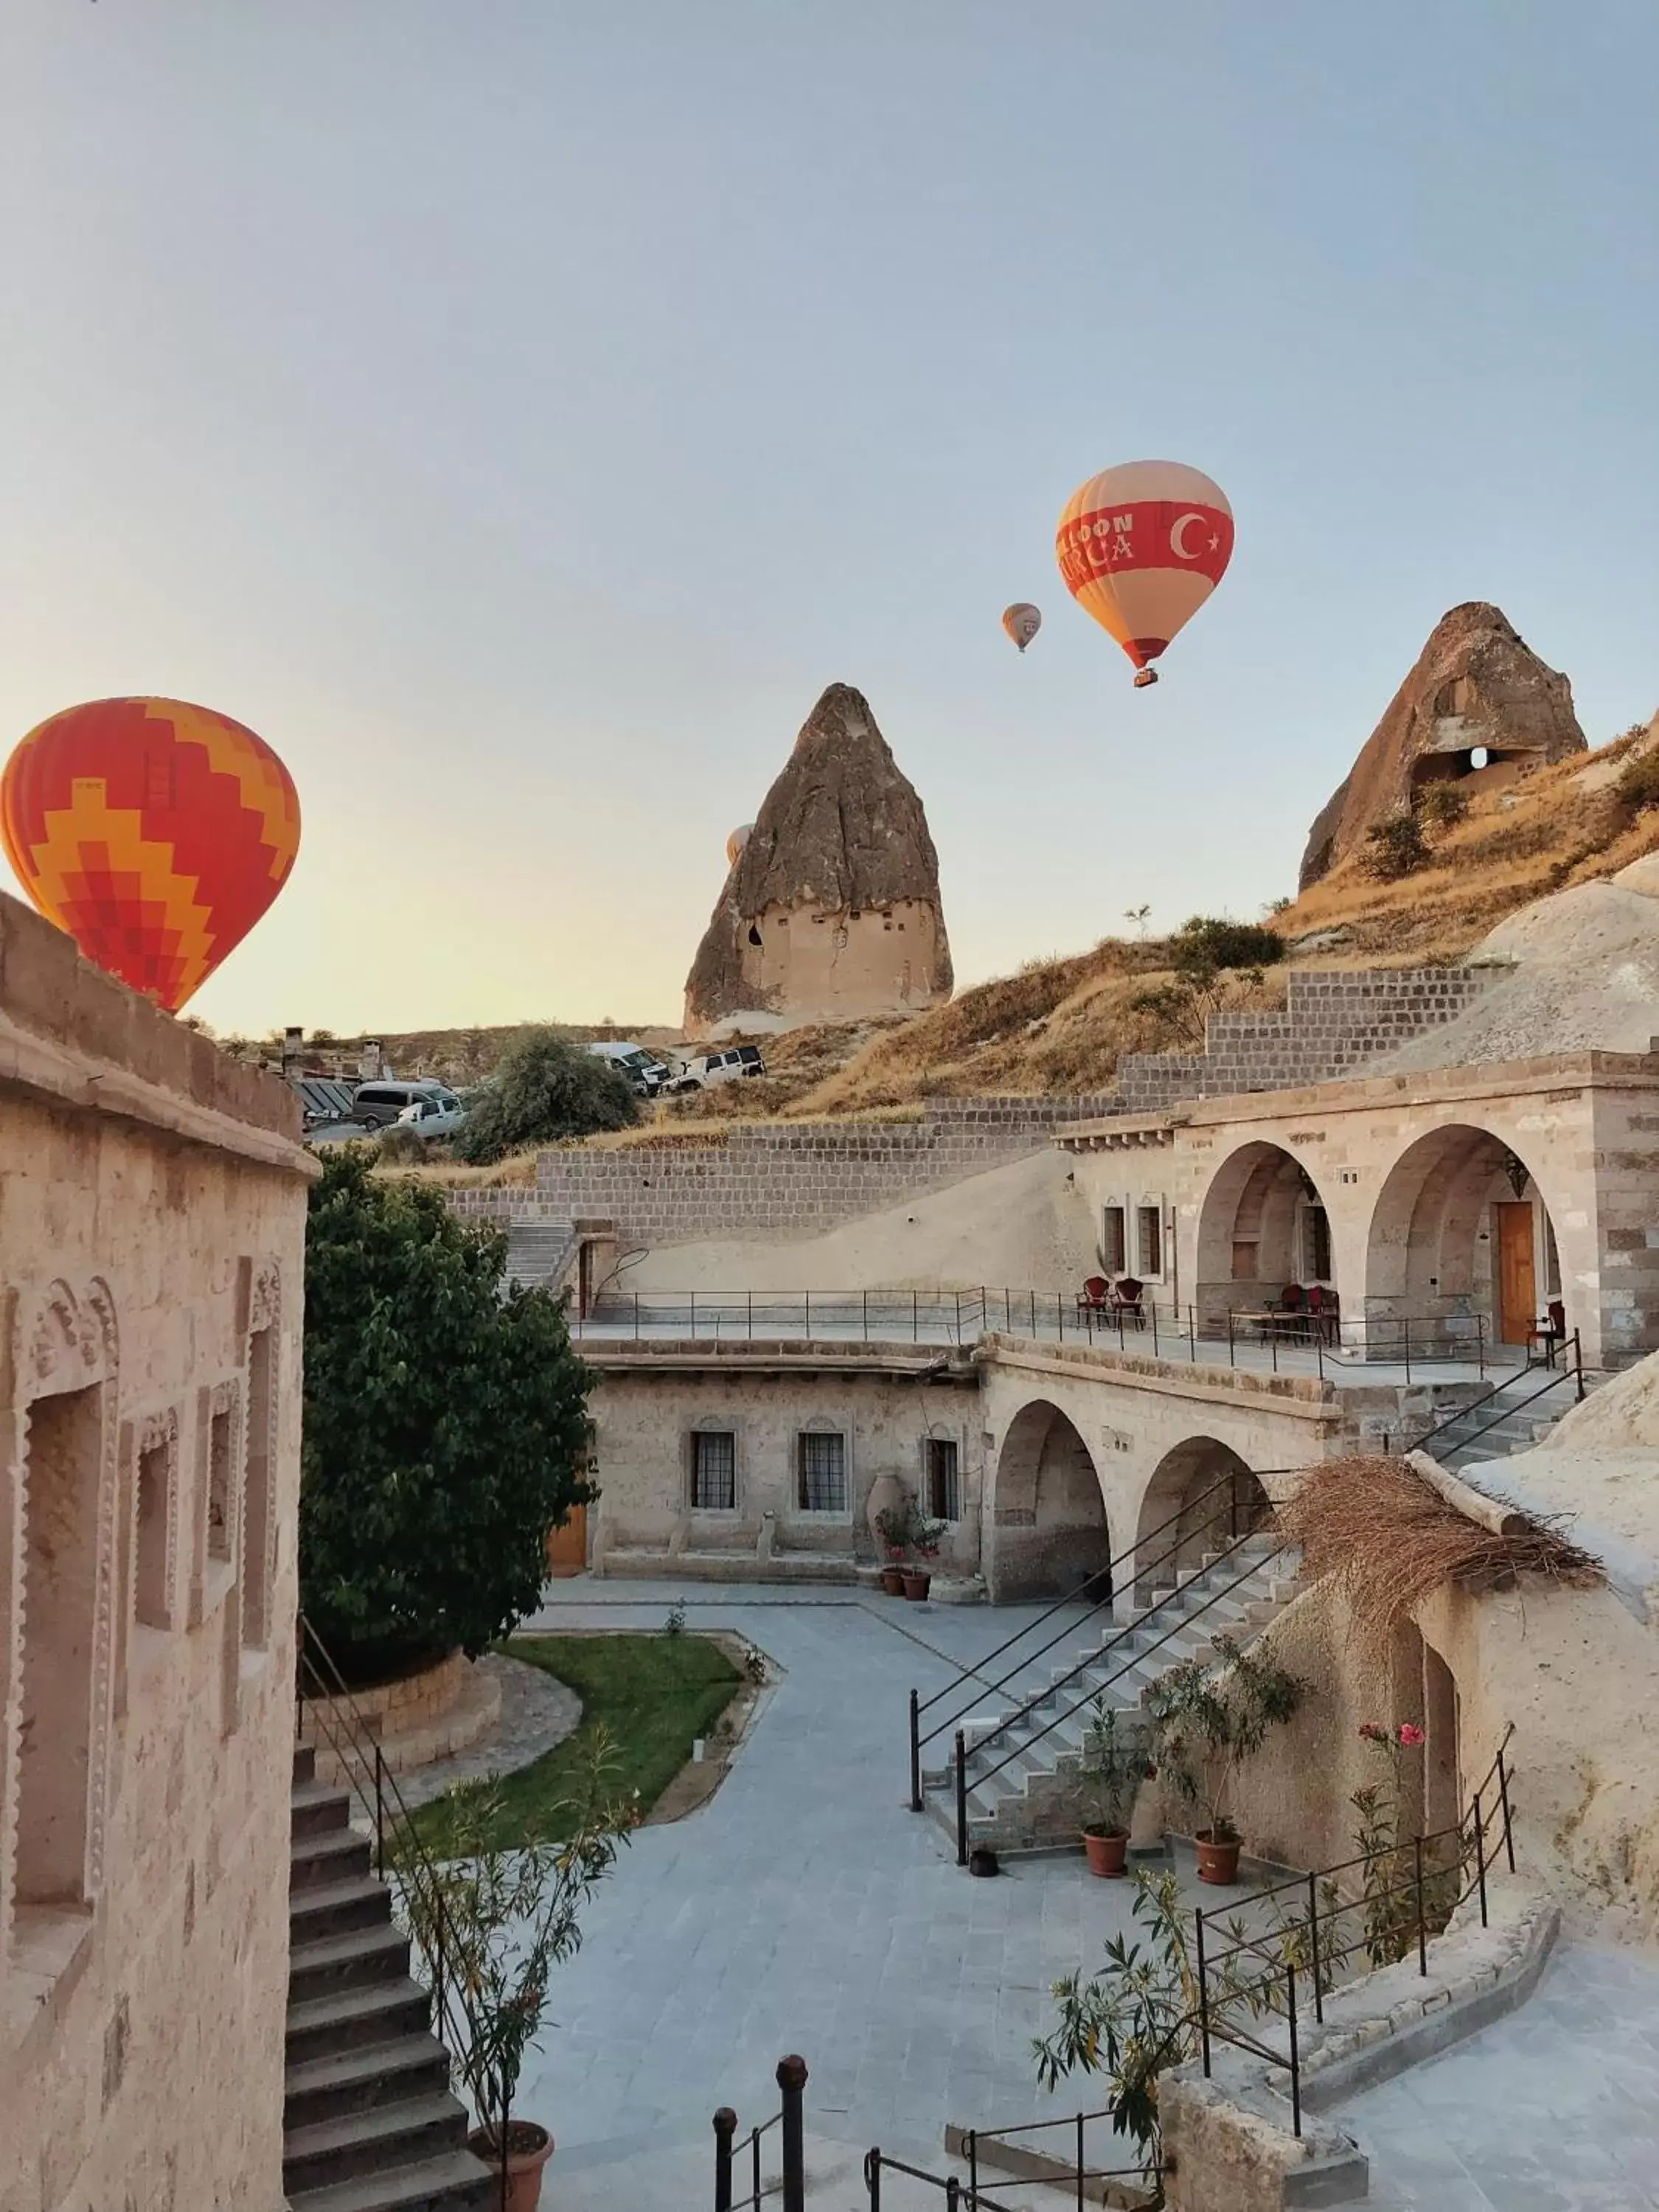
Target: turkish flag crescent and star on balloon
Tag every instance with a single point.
(1141, 548)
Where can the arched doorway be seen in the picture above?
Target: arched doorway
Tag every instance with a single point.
(1461, 1242)
(1262, 1226)
(1202, 1498)
(1049, 1517)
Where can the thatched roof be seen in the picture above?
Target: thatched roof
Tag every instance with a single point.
(1391, 1538)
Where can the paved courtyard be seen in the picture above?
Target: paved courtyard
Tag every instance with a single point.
(806, 1909)
(1554, 2109)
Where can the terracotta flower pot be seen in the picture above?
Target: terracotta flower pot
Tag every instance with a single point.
(1108, 1855)
(916, 1585)
(893, 1581)
(528, 2149)
(1218, 1859)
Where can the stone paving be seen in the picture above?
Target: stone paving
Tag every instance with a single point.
(806, 1909)
(1555, 2109)
(536, 1712)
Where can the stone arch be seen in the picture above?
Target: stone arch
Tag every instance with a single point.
(1049, 1533)
(1263, 1223)
(1436, 1243)
(1201, 1495)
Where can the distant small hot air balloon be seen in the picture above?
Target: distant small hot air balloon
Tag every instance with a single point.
(735, 843)
(155, 832)
(1141, 548)
(1022, 621)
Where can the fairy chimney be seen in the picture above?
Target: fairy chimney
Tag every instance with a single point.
(1479, 704)
(830, 911)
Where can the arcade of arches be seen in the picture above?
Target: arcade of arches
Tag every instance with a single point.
(1050, 1515)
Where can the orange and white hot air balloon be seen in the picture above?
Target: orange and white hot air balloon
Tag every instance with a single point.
(1141, 547)
(1022, 621)
(735, 843)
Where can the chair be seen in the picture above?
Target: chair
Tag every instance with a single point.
(1322, 1313)
(1126, 1301)
(1549, 1338)
(1094, 1297)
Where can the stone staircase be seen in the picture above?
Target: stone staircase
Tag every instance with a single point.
(369, 2125)
(1519, 1417)
(1036, 1798)
(538, 1252)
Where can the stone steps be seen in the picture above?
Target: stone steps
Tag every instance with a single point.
(1023, 1782)
(369, 2123)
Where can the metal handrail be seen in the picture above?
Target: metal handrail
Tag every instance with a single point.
(1262, 1995)
(1182, 1621)
(790, 2185)
(337, 1717)
(1574, 1374)
(1059, 1605)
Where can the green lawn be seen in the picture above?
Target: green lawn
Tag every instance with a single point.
(654, 1694)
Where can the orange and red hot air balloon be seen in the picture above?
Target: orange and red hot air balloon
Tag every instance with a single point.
(155, 832)
(1141, 547)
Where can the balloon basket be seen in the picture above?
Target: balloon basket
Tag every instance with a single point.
(1144, 676)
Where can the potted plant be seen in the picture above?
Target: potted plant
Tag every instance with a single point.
(493, 1921)
(1209, 1716)
(924, 1543)
(893, 1532)
(1114, 1768)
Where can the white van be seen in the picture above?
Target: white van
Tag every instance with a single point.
(705, 1069)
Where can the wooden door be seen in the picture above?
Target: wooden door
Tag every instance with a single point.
(567, 1545)
(1518, 1285)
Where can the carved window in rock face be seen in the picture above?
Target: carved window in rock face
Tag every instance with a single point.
(256, 1493)
(61, 1637)
(220, 1495)
(152, 1537)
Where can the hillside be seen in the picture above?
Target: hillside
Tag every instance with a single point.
(1060, 1024)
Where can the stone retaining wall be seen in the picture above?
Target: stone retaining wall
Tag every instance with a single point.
(444, 1708)
(778, 1178)
(1334, 1021)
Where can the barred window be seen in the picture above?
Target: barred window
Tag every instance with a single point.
(714, 1471)
(1315, 1245)
(821, 1472)
(944, 1489)
(1149, 1219)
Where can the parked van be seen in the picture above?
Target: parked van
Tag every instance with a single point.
(642, 1070)
(377, 1105)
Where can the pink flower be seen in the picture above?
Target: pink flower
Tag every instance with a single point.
(1411, 1734)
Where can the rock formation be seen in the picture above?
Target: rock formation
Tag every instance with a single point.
(831, 910)
(1476, 683)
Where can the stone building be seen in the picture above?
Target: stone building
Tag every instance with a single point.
(830, 911)
(152, 1223)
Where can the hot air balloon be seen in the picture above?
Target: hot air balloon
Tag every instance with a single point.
(1022, 621)
(1141, 548)
(155, 832)
(735, 843)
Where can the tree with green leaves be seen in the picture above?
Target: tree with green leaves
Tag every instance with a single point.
(446, 1426)
(544, 1088)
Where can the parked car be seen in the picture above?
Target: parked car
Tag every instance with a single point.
(439, 1115)
(642, 1071)
(706, 1068)
(378, 1105)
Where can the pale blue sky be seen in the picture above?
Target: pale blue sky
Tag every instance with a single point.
(519, 411)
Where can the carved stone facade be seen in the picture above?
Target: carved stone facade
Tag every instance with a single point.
(152, 1219)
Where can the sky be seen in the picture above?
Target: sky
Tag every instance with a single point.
(519, 411)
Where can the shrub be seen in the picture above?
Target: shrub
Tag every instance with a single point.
(446, 1426)
(1208, 942)
(402, 1148)
(1395, 848)
(543, 1089)
(1445, 805)
(1638, 787)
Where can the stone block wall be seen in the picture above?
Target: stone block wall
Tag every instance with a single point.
(1334, 1020)
(778, 1178)
(152, 1230)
